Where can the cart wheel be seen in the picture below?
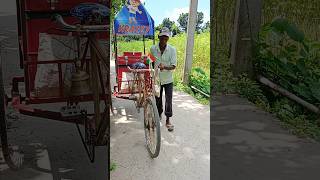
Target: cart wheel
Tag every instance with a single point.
(152, 127)
(11, 155)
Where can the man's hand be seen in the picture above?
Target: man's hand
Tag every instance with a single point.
(161, 66)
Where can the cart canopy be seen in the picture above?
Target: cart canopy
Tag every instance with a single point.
(133, 19)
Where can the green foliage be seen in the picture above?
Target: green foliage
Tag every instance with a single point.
(286, 60)
(183, 21)
(113, 167)
(116, 7)
(200, 80)
(175, 30)
(285, 57)
(296, 119)
(250, 90)
(221, 77)
(206, 26)
(169, 24)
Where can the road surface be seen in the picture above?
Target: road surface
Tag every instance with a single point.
(249, 144)
(184, 154)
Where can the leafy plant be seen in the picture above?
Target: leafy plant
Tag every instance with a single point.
(280, 46)
(200, 80)
(113, 166)
(286, 57)
(250, 90)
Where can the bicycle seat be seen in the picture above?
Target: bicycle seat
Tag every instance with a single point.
(85, 11)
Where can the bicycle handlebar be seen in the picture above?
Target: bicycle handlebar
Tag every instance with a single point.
(139, 70)
(81, 28)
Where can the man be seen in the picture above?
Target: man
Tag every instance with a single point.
(166, 61)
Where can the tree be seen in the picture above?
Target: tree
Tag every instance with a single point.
(175, 30)
(183, 21)
(159, 27)
(206, 26)
(199, 21)
(171, 25)
(167, 23)
(116, 7)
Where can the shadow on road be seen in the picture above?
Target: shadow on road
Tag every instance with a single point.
(252, 143)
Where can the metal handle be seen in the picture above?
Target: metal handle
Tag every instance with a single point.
(139, 70)
(86, 28)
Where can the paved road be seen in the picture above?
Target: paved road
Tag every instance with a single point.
(53, 150)
(249, 144)
(184, 154)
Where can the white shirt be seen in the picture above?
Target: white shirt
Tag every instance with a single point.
(168, 58)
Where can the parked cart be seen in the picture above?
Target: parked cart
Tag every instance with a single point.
(64, 61)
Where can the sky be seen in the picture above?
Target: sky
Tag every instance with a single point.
(173, 8)
(159, 9)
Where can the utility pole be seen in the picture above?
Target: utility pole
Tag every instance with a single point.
(246, 28)
(192, 21)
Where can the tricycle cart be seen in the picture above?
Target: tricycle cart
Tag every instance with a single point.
(64, 61)
(135, 74)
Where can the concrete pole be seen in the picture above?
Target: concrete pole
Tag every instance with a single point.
(192, 21)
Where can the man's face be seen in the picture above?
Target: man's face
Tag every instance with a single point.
(163, 40)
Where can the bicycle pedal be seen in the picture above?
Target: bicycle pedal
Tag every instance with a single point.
(133, 97)
(70, 110)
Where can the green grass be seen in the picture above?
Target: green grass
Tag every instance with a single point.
(201, 56)
(113, 166)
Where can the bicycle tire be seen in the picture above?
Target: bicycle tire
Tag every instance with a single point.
(150, 103)
(13, 159)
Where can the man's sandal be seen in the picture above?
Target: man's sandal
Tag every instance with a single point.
(170, 127)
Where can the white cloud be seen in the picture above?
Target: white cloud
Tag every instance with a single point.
(206, 16)
(175, 13)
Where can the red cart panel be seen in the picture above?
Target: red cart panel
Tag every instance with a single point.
(35, 17)
(122, 68)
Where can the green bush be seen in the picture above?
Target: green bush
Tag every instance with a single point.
(200, 80)
(287, 58)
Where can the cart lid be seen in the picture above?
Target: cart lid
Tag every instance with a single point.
(133, 19)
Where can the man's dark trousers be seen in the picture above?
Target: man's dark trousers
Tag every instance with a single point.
(168, 88)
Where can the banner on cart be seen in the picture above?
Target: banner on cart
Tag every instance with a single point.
(134, 19)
